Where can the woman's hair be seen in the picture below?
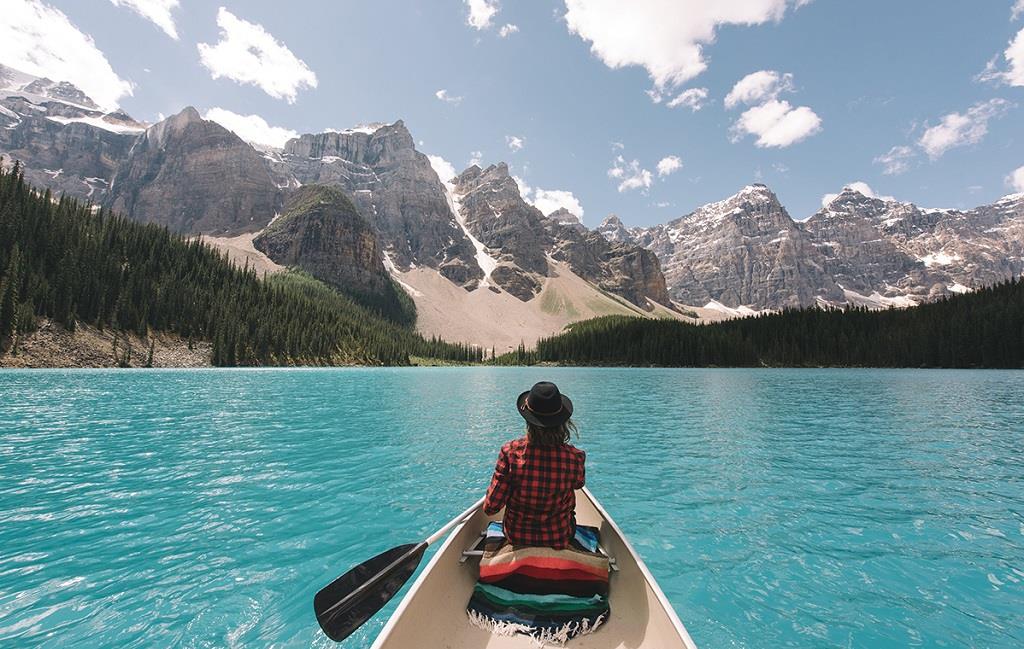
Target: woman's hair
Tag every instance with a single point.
(551, 435)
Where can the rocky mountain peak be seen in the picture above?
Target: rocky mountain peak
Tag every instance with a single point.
(613, 230)
(158, 133)
(370, 144)
(564, 217)
(41, 89)
(194, 175)
(850, 201)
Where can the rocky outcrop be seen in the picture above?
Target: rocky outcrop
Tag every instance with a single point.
(321, 232)
(394, 186)
(619, 267)
(743, 251)
(194, 175)
(510, 230)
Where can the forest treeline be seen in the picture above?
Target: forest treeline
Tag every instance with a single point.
(74, 263)
(982, 329)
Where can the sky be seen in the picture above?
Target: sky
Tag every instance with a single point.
(646, 109)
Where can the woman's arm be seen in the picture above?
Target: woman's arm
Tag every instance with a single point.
(581, 478)
(497, 493)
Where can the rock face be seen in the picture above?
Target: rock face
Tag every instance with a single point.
(61, 138)
(891, 250)
(619, 267)
(511, 231)
(194, 175)
(613, 230)
(394, 186)
(745, 250)
(321, 232)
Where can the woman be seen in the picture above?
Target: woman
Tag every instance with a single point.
(536, 476)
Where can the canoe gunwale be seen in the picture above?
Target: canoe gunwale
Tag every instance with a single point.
(651, 581)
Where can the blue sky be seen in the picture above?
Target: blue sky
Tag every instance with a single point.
(919, 99)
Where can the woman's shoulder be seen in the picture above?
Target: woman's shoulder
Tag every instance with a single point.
(514, 445)
(578, 452)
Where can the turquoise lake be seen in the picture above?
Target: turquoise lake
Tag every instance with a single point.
(792, 508)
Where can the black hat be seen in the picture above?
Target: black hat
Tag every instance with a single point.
(544, 405)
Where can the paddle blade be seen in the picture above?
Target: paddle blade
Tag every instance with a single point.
(351, 599)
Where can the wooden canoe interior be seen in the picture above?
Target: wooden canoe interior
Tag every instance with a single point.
(433, 613)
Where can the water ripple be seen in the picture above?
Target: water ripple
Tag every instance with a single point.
(793, 508)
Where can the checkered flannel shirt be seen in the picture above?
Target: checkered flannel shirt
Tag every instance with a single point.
(535, 484)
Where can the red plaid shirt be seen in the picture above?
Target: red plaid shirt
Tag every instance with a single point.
(535, 484)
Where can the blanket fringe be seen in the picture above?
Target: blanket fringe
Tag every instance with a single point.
(541, 637)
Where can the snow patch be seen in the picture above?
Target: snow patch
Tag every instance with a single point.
(365, 129)
(483, 258)
(938, 259)
(99, 122)
(741, 311)
(957, 287)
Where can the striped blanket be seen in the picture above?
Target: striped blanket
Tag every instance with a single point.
(552, 595)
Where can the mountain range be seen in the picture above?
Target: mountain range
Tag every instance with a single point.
(365, 211)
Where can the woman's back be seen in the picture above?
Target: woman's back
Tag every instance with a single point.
(536, 476)
(540, 481)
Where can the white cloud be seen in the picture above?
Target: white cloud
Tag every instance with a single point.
(896, 161)
(481, 13)
(40, 40)
(692, 98)
(669, 165)
(961, 129)
(777, 124)
(507, 30)
(1018, 10)
(1016, 179)
(759, 87)
(443, 95)
(549, 200)
(858, 186)
(444, 169)
(1013, 75)
(666, 37)
(157, 12)
(1015, 57)
(251, 128)
(475, 157)
(514, 143)
(249, 54)
(630, 175)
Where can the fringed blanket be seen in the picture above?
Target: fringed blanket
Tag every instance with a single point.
(552, 595)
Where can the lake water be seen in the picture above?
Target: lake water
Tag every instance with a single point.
(802, 508)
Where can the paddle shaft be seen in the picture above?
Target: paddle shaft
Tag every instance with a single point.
(369, 584)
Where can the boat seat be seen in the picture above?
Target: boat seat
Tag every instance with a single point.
(475, 551)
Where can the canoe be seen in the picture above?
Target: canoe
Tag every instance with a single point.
(433, 613)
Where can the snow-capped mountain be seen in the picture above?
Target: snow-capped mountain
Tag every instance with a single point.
(475, 232)
(899, 250)
(746, 251)
(64, 140)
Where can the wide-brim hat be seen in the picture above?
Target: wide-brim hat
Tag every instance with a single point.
(544, 405)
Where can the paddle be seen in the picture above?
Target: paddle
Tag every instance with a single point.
(350, 600)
